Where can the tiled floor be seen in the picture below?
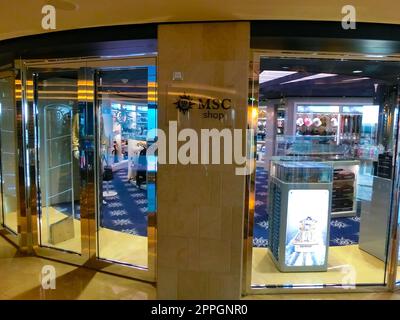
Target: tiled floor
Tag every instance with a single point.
(20, 279)
(346, 264)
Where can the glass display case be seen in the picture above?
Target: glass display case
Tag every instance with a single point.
(299, 205)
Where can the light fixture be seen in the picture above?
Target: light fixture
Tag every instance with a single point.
(357, 71)
(313, 77)
(374, 56)
(269, 75)
(355, 79)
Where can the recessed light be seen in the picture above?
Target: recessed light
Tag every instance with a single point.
(269, 75)
(355, 79)
(357, 71)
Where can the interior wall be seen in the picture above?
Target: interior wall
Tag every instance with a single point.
(23, 17)
(200, 208)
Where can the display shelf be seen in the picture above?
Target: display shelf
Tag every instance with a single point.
(349, 166)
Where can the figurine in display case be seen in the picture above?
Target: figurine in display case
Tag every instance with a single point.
(305, 247)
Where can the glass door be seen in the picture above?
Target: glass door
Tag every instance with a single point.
(60, 158)
(95, 184)
(126, 189)
(8, 154)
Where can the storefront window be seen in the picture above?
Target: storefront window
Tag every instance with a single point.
(324, 177)
(8, 154)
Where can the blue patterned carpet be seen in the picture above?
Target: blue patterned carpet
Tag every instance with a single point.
(343, 231)
(127, 212)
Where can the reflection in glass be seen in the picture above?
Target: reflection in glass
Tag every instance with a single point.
(8, 154)
(126, 194)
(345, 124)
(59, 156)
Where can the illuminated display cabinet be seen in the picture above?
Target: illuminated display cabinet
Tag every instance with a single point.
(299, 207)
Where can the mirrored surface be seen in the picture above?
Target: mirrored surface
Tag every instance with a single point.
(8, 154)
(59, 160)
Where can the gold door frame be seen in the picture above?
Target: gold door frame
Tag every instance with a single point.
(86, 96)
(393, 241)
(8, 71)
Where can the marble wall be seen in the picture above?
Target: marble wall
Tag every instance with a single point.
(201, 206)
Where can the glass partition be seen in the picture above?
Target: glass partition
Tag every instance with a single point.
(8, 154)
(59, 159)
(323, 186)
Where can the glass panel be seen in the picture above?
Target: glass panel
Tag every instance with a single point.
(8, 154)
(323, 187)
(127, 111)
(59, 160)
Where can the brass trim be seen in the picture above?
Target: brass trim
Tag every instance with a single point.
(254, 67)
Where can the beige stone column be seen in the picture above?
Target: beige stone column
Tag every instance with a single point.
(200, 207)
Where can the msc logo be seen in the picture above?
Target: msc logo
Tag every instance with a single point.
(212, 107)
(184, 103)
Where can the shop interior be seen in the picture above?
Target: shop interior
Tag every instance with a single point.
(325, 142)
(124, 194)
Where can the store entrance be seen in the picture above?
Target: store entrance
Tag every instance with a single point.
(325, 171)
(95, 184)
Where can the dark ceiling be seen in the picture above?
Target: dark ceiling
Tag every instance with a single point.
(345, 83)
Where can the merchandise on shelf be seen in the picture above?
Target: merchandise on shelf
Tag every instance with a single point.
(316, 124)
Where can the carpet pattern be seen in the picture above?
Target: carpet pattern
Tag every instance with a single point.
(127, 212)
(343, 231)
(124, 212)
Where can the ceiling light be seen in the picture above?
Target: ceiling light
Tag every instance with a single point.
(374, 56)
(356, 79)
(313, 77)
(269, 75)
(357, 71)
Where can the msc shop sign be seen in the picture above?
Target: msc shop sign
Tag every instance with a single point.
(211, 108)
